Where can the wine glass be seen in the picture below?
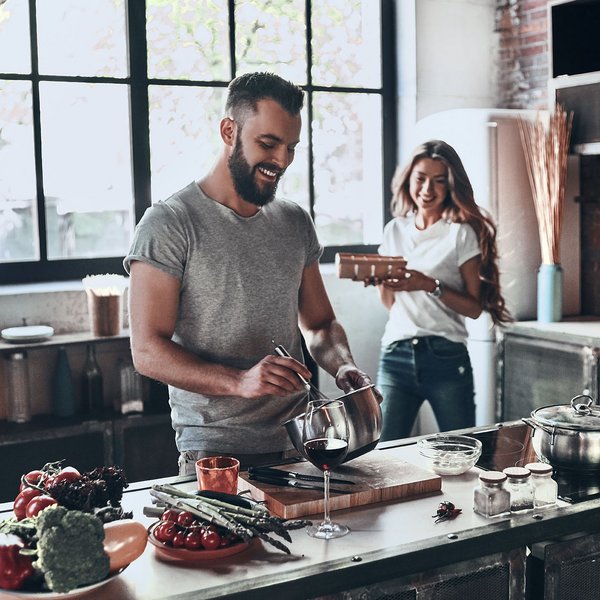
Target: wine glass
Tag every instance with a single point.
(325, 439)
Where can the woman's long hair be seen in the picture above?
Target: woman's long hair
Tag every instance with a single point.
(459, 207)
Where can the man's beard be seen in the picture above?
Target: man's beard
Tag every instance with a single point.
(244, 180)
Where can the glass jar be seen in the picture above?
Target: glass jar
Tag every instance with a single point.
(545, 489)
(519, 485)
(131, 398)
(491, 498)
(17, 388)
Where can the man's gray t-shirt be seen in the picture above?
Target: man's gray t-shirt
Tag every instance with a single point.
(240, 279)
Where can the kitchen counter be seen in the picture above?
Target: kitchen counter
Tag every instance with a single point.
(387, 541)
(575, 330)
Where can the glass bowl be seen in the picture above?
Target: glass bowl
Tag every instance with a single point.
(450, 454)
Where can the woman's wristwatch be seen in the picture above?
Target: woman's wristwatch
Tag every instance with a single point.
(438, 290)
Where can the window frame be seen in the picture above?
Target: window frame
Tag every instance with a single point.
(44, 270)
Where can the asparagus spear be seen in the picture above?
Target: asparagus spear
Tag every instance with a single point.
(243, 522)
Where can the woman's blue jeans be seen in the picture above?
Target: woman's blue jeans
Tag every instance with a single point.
(425, 368)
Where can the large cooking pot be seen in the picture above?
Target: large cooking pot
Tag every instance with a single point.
(364, 422)
(568, 435)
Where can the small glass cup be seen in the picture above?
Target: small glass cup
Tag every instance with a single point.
(218, 474)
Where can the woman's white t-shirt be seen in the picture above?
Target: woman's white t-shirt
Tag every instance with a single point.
(438, 252)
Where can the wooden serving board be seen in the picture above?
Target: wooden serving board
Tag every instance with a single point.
(378, 477)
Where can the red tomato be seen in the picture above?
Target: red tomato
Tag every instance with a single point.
(67, 474)
(178, 540)
(22, 500)
(211, 540)
(35, 477)
(170, 515)
(165, 532)
(193, 540)
(38, 504)
(185, 519)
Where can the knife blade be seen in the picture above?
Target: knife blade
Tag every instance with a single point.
(282, 481)
(270, 472)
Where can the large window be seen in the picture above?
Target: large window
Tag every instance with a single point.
(107, 106)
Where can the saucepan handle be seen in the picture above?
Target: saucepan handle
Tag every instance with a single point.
(535, 426)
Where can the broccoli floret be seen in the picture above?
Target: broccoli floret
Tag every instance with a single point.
(70, 549)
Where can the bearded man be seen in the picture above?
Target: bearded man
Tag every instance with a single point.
(221, 271)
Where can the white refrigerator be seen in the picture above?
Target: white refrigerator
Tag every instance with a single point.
(489, 144)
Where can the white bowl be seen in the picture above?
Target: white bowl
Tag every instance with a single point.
(450, 454)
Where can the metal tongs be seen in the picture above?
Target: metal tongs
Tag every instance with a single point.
(313, 392)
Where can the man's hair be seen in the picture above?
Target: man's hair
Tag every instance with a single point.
(245, 91)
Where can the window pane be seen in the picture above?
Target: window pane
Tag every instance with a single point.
(82, 38)
(294, 183)
(18, 213)
(271, 36)
(87, 169)
(15, 53)
(348, 168)
(188, 40)
(346, 43)
(184, 135)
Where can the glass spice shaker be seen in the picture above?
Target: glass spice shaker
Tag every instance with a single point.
(520, 488)
(545, 489)
(17, 388)
(491, 498)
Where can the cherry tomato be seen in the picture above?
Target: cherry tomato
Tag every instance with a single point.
(67, 474)
(22, 500)
(185, 519)
(178, 540)
(36, 477)
(165, 532)
(211, 540)
(38, 504)
(170, 515)
(193, 540)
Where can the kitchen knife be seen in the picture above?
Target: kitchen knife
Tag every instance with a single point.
(269, 472)
(282, 481)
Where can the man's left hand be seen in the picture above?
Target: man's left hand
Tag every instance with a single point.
(349, 378)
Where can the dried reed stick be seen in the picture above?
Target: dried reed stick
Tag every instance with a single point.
(546, 145)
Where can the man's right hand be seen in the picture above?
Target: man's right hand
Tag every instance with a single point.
(274, 376)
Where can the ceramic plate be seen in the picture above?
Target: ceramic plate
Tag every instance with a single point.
(28, 333)
(181, 554)
(57, 596)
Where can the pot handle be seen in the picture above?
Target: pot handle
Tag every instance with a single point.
(535, 426)
(583, 408)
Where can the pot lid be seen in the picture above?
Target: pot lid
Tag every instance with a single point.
(581, 415)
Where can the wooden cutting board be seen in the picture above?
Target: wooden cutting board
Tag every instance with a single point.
(378, 477)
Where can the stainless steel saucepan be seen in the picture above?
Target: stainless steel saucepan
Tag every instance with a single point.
(568, 435)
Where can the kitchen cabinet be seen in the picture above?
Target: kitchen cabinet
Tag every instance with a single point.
(546, 363)
(575, 69)
(142, 444)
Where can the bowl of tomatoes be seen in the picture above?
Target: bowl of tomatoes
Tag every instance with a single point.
(181, 536)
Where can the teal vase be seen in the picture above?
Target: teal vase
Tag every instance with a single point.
(63, 393)
(549, 293)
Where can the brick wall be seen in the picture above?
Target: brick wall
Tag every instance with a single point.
(523, 66)
(523, 72)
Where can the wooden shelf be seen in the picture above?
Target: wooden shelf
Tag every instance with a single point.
(62, 339)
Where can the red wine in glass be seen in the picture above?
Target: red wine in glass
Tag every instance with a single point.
(326, 453)
(325, 439)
